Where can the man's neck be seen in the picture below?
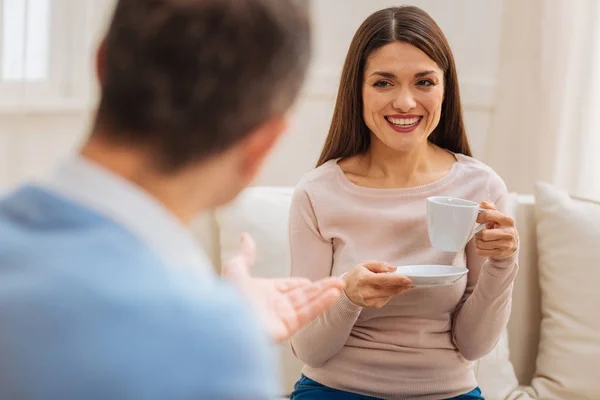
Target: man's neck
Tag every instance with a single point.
(174, 191)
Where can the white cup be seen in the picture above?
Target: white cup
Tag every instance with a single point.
(451, 222)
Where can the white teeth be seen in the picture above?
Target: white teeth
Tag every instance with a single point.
(403, 121)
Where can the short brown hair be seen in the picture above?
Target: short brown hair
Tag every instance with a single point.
(187, 79)
(348, 133)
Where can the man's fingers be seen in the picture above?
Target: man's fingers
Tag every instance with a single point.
(285, 285)
(307, 293)
(288, 284)
(241, 263)
(315, 307)
(248, 249)
(235, 267)
(331, 283)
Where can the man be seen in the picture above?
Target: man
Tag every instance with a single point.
(103, 292)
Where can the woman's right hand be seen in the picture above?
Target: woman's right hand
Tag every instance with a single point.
(372, 285)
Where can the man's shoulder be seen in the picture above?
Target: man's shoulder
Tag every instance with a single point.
(79, 292)
(37, 206)
(40, 220)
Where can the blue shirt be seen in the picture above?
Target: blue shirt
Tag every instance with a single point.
(91, 309)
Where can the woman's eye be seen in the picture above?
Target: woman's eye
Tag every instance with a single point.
(381, 84)
(425, 82)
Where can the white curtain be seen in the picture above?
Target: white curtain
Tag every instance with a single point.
(545, 125)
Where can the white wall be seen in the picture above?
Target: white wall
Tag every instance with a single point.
(36, 132)
(31, 144)
(473, 30)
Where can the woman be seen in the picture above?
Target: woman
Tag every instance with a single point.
(397, 137)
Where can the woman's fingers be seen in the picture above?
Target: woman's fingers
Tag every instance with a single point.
(387, 280)
(379, 267)
(494, 244)
(492, 235)
(495, 217)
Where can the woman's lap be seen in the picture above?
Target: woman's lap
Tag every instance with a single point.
(306, 389)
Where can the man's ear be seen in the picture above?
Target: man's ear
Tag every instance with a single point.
(258, 144)
(101, 61)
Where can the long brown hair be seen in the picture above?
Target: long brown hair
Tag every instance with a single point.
(348, 133)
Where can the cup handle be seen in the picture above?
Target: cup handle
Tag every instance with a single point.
(479, 227)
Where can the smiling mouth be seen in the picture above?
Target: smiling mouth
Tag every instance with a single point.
(404, 122)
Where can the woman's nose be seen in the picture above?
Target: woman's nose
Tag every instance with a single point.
(404, 100)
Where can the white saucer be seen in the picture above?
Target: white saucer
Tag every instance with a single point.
(431, 275)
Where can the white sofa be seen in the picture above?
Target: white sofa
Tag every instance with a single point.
(506, 373)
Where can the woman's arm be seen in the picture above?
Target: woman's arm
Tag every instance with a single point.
(312, 258)
(484, 310)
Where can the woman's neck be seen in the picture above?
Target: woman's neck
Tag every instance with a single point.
(384, 167)
(384, 162)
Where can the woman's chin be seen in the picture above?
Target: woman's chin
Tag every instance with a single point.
(405, 144)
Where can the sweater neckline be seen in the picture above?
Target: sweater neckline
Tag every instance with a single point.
(421, 189)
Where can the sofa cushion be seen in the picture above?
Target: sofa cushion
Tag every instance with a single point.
(524, 324)
(568, 232)
(263, 213)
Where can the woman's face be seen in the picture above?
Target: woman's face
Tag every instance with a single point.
(403, 91)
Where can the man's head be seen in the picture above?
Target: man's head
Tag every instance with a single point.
(191, 82)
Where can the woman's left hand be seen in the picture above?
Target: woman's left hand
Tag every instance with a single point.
(499, 240)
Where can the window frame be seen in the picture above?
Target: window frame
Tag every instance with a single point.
(70, 65)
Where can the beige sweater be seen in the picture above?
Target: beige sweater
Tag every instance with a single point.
(418, 346)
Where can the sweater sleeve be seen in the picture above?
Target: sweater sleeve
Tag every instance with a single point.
(485, 308)
(312, 258)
